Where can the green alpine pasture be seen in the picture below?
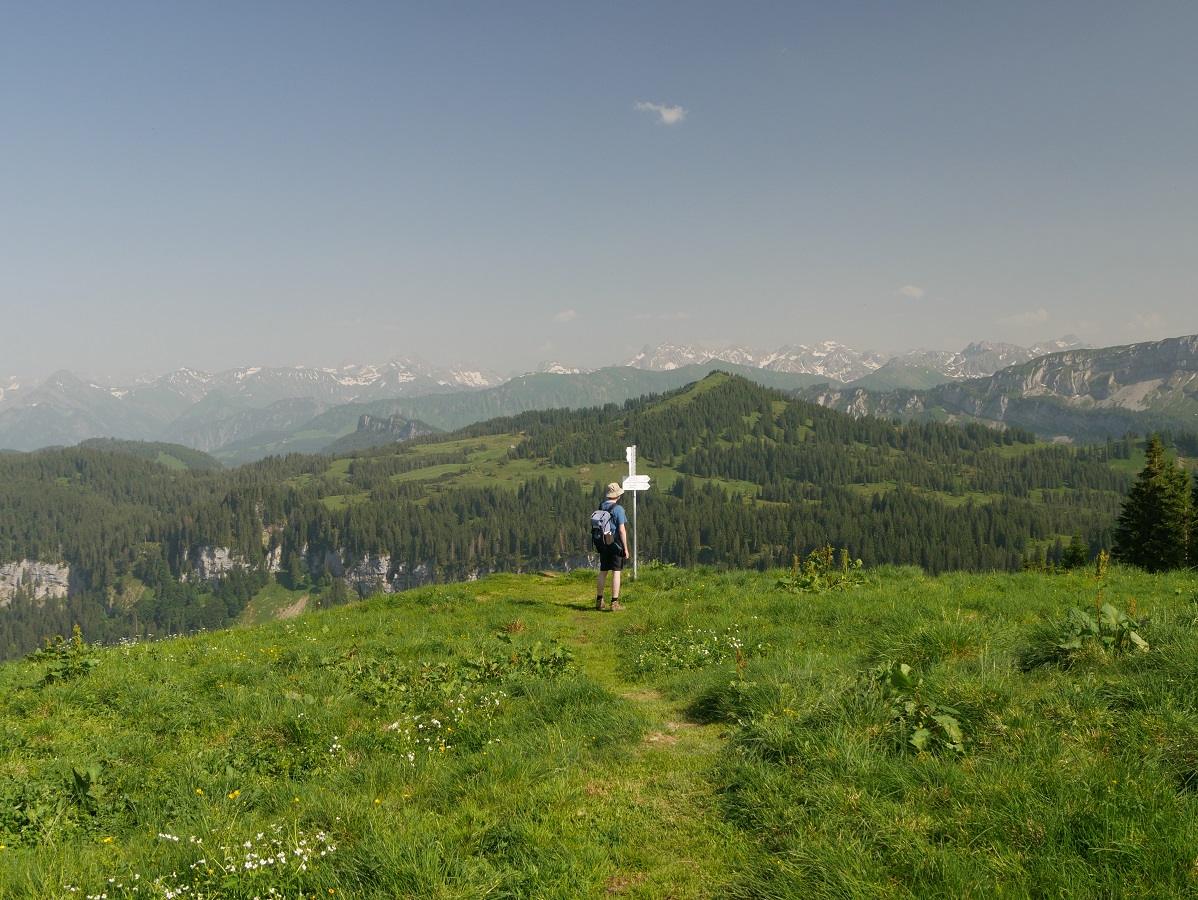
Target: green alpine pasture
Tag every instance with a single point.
(834, 732)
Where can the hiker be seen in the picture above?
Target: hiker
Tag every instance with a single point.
(612, 556)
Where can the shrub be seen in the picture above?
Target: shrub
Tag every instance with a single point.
(919, 723)
(65, 658)
(821, 572)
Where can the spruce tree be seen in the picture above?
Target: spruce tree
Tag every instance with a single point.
(1152, 531)
(1192, 556)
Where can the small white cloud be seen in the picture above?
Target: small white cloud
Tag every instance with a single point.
(669, 115)
(567, 315)
(1026, 319)
(911, 292)
(674, 316)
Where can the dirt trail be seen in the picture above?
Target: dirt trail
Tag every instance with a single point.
(595, 641)
(669, 777)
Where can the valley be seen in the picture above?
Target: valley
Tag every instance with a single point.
(149, 541)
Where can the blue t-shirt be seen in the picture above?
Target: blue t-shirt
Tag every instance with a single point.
(618, 518)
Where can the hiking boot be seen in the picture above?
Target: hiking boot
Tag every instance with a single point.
(599, 604)
(616, 606)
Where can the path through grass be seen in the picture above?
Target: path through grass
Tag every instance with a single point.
(684, 848)
(719, 738)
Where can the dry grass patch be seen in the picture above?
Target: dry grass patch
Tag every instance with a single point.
(617, 884)
(660, 737)
(642, 696)
(595, 789)
(295, 609)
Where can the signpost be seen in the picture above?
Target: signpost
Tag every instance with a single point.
(634, 483)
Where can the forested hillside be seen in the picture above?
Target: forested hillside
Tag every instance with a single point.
(742, 476)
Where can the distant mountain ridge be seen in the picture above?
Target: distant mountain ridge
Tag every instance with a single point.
(830, 359)
(206, 410)
(839, 362)
(1075, 394)
(245, 414)
(331, 430)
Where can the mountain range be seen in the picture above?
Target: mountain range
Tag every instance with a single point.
(1057, 389)
(837, 362)
(203, 410)
(1077, 395)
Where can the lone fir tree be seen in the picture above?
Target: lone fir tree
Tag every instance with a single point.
(1152, 531)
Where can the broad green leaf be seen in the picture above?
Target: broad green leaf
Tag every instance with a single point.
(900, 677)
(951, 727)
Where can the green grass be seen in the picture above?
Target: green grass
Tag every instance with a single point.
(488, 465)
(869, 488)
(273, 602)
(491, 467)
(341, 501)
(720, 738)
(171, 462)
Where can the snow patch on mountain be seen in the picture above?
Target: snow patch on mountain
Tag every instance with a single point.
(829, 359)
(983, 358)
(9, 385)
(839, 362)
(554, 367)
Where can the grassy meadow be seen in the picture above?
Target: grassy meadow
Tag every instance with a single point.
(909, 736)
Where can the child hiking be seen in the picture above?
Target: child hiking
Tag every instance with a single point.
(612, 547)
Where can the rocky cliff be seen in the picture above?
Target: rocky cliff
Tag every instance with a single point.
(396, 428)
(43, 581)
(1070, 394)
(1138, 377)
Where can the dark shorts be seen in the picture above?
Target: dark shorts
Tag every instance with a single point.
(611, 560)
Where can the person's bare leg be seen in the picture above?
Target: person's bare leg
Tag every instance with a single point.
(599, 585)
(615, 588)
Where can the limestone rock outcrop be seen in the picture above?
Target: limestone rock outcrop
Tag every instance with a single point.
(210, 563)
(1079, 393)
(45, 581)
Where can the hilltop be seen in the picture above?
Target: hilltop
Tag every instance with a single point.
(724, 736)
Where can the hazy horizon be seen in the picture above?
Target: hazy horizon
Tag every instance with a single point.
(275, 184)
(117, 377)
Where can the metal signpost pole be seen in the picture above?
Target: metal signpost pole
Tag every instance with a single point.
(630, 455)
(635, 483)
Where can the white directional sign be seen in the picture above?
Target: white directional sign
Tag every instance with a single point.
(634, 483)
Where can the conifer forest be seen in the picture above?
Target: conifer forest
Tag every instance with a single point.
(744, 476)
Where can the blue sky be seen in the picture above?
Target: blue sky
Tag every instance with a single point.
(222, 184)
